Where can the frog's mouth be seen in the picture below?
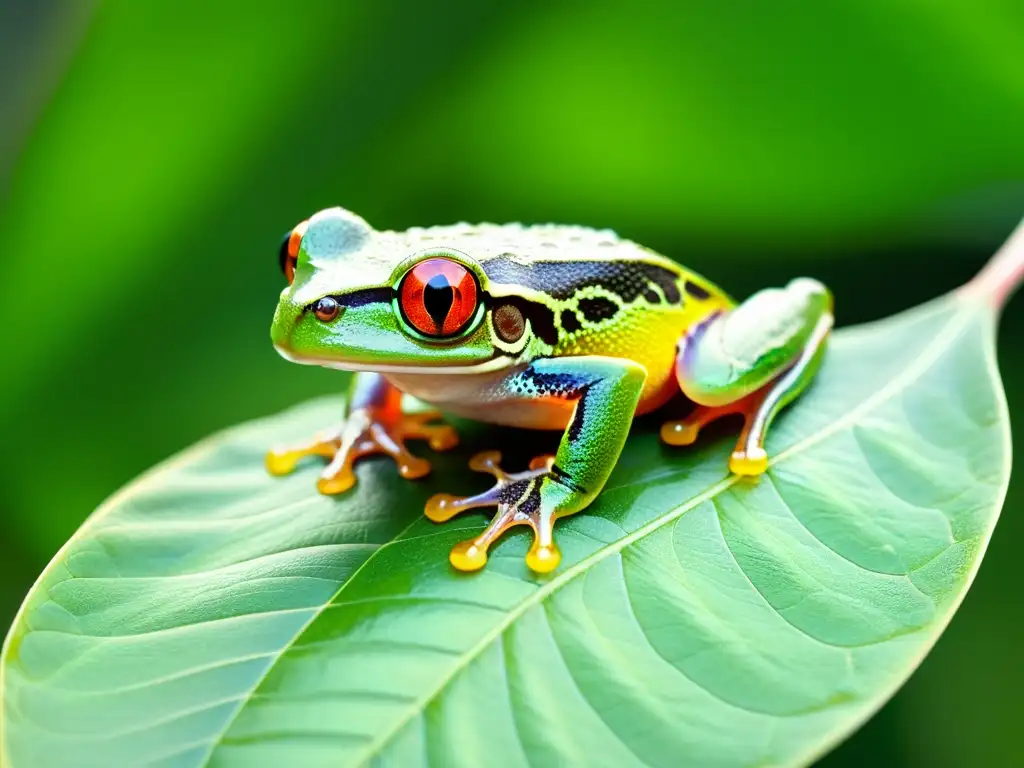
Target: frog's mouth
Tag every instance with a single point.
(496, 363)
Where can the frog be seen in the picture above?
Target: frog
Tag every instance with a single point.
(553, 327)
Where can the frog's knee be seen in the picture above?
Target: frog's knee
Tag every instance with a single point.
(809, 300)
(734, 353)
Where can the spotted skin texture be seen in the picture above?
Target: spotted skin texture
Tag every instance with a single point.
(562, 279)
(570, 321)
(542, 327)
(696, 291)
(598, 308)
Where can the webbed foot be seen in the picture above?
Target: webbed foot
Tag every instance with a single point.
(364, 434)
(520, 500)
(749, 458)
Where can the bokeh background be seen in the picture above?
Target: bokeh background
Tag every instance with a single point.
(153, 153)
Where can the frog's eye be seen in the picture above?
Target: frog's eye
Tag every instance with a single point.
(438, 297)
(288, 254)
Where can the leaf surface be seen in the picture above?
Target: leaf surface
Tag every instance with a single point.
(211, 615)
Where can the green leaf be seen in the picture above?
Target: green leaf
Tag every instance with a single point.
(210, 614)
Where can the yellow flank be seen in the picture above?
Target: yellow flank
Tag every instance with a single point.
(647, 335)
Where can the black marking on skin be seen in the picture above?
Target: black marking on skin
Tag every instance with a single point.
(565, 385)
(531, 503)
(568, 386)
(696, 291)
(570, 321)
(513, 492)
(358, 298)
(561, 279)
(667, 281)
(563, 477)
(598, 308)
(651, 296)
(542, 321)
(579, 416)
(438, 297)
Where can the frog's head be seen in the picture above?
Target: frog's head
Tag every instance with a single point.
(364, 300)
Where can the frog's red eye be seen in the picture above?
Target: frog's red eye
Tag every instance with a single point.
(288, 255)
(438, 297)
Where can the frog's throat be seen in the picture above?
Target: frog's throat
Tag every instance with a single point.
(496, 363)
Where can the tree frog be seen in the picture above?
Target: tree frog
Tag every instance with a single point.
(543, 327)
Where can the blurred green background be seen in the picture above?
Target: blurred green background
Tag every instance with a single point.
(152, 154)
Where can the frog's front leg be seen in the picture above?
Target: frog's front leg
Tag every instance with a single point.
(374, 423)
(752, 360)
(603, 394)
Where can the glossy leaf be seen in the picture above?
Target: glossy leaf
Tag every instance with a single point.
(209, 614)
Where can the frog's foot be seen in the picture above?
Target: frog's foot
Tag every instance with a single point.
(519, 501)
(749, 457)
(685, 431)
(725, 369)
(364, 435)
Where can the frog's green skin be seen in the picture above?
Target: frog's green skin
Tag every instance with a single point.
(565, 328)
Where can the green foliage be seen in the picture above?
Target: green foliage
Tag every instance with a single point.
(209, 612)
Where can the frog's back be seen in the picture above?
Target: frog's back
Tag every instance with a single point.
(564, 263)
(589, 291)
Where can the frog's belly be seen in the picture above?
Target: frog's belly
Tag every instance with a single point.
(483, 397)
(527, 414)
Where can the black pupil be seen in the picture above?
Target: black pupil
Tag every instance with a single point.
(438, 297)
(326, 306)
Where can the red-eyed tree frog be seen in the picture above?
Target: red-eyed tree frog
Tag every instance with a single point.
(542, 327)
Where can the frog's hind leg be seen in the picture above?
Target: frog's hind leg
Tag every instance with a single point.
(749, 456)
(752, 360)
(686, 431)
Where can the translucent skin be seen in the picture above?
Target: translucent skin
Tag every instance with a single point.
(545, 327)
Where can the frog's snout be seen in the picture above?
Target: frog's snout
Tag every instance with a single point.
(290, 317)
(286, 318)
